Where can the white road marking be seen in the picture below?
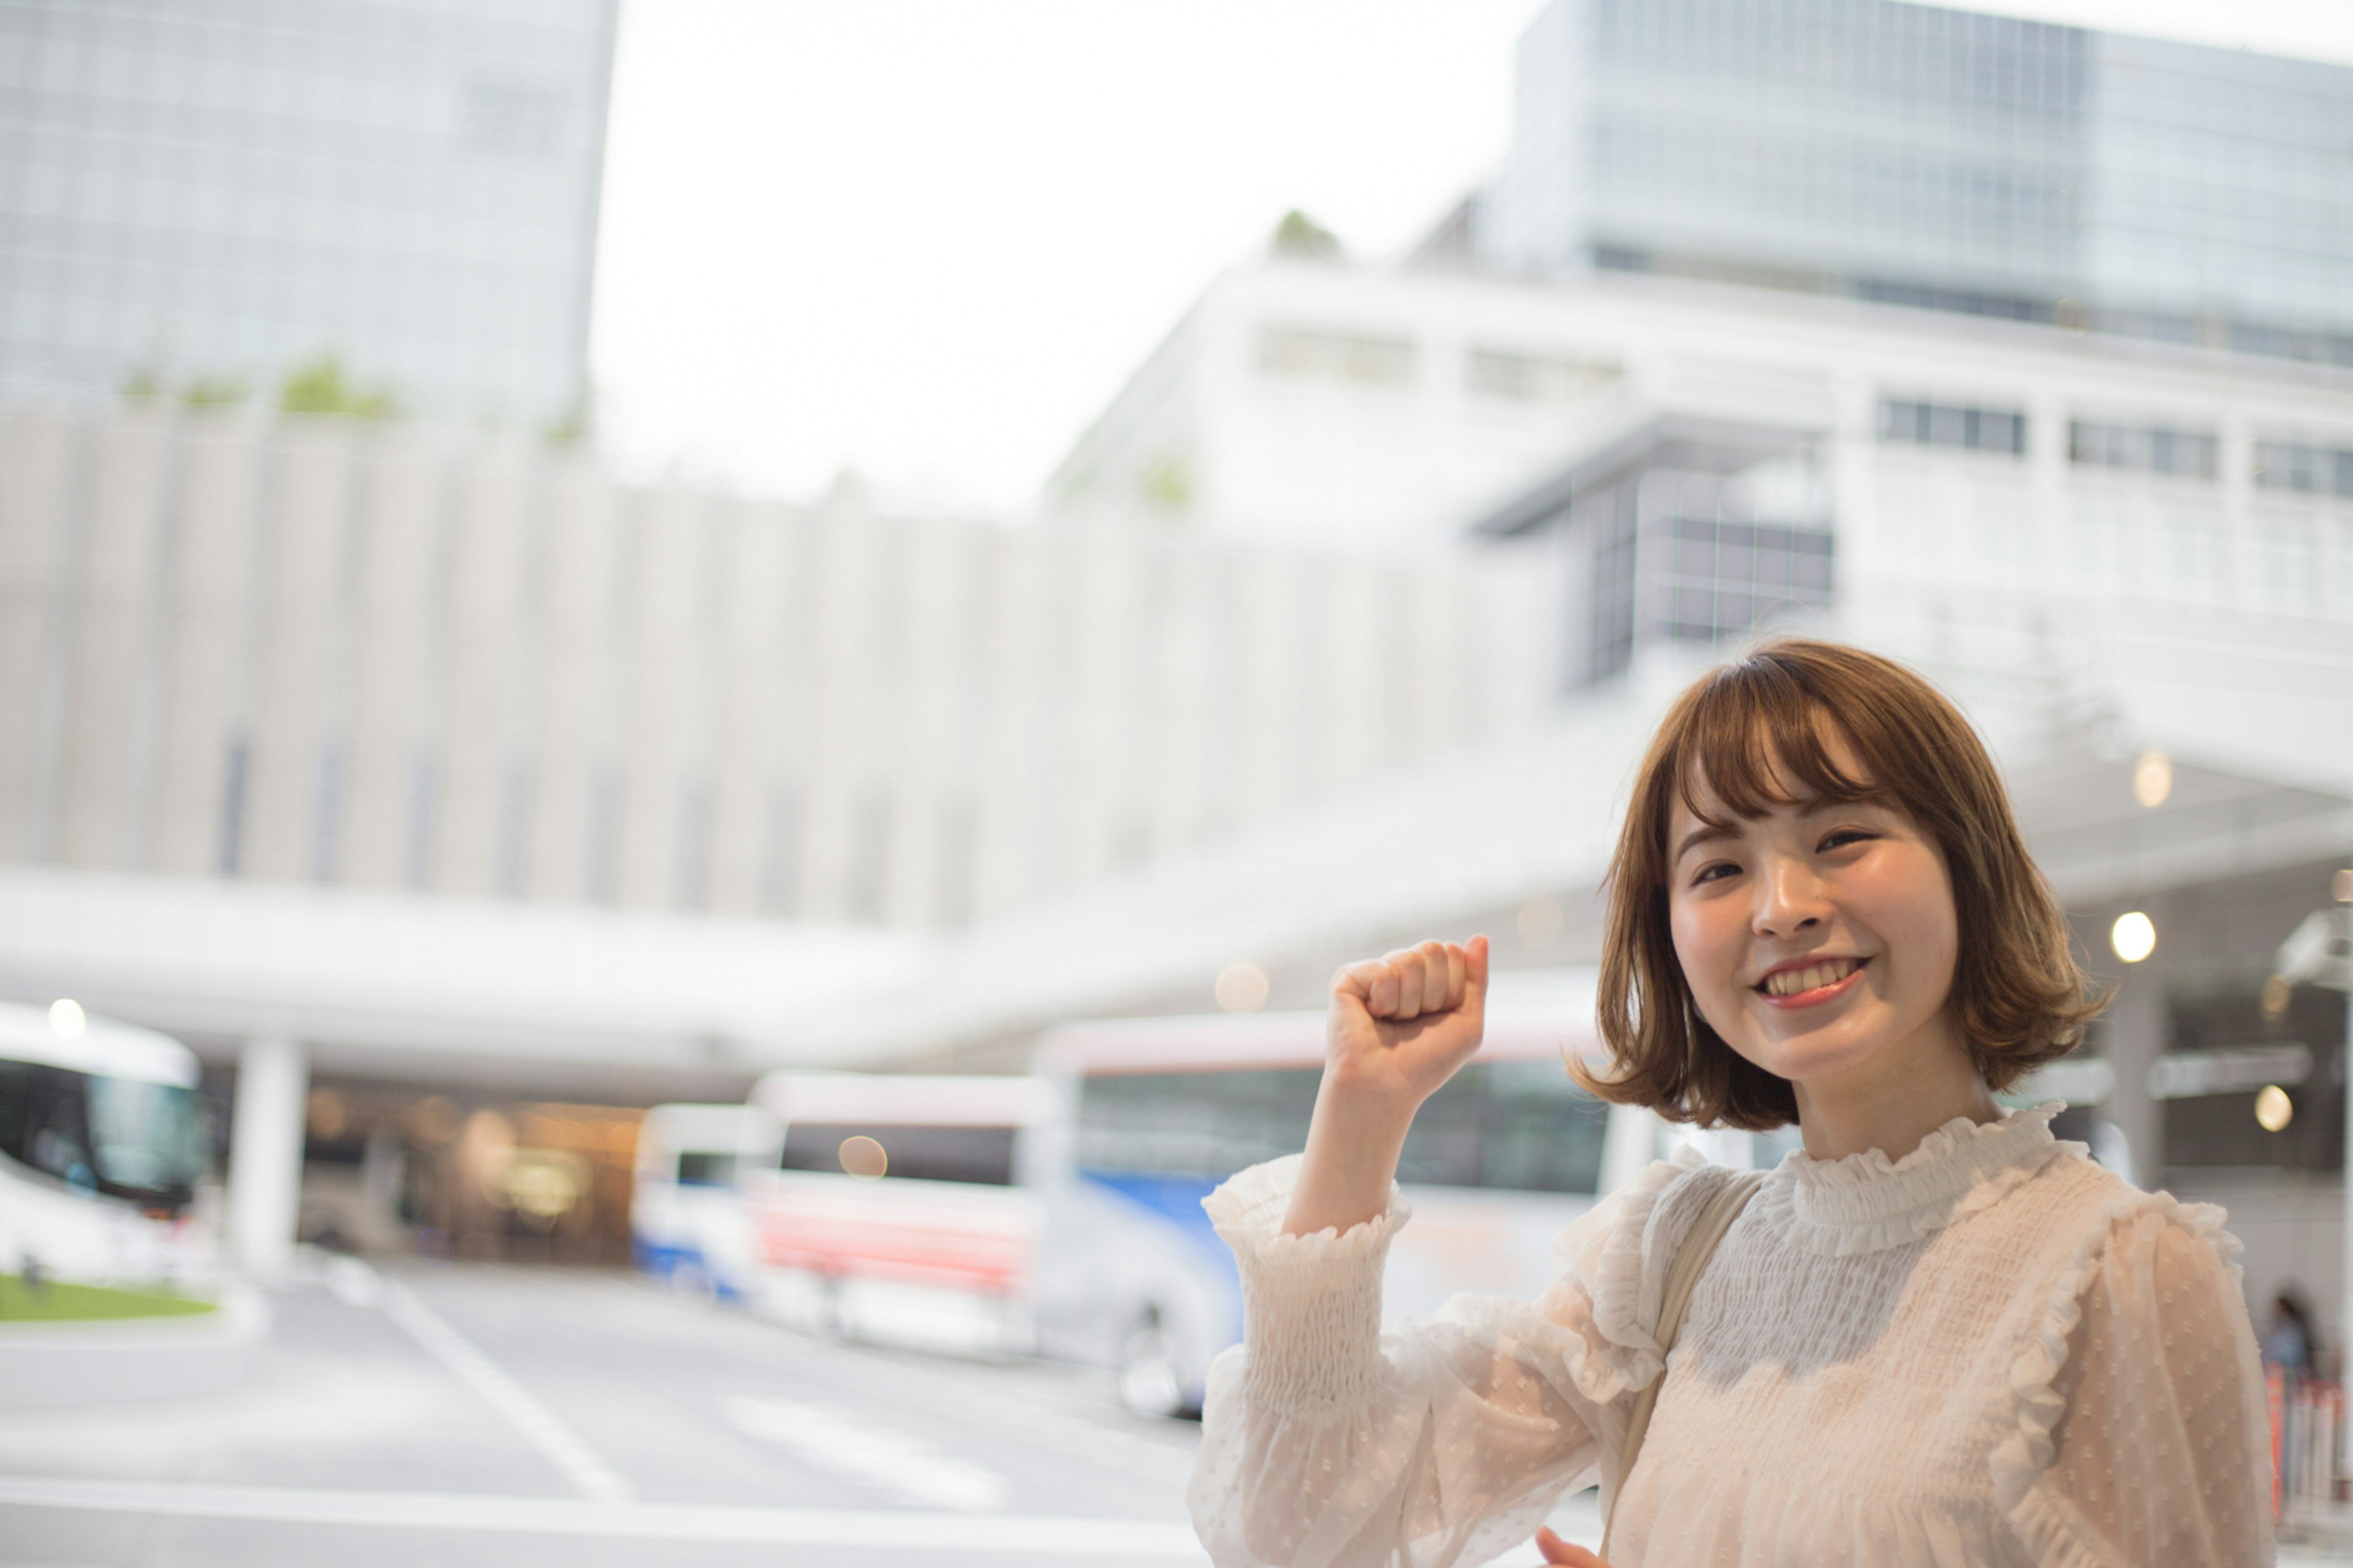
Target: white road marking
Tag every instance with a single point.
(589, 1475)
(876, 1456)
(1033, 1536)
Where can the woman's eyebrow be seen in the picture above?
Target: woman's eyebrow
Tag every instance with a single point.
(1706, 833)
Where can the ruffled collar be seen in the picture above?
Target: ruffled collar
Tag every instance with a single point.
(1866, 1202)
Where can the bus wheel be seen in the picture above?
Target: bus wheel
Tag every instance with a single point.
(1148, 1383)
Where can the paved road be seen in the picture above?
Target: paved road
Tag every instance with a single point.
(480, 1416)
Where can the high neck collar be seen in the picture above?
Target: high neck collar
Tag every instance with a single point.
(1865, 1202)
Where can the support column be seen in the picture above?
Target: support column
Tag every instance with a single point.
(2132, 1038)
(265, 1156)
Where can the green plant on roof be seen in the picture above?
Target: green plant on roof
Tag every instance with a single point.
(1298, 234)
(320, 386)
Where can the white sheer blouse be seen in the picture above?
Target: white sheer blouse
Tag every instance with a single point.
(1990, 1352)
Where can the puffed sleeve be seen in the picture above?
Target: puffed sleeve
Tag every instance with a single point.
(1329, 1442)
(2159, 1450)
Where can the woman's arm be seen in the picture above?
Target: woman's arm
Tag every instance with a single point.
(1329, 1441)
(1397, 1030)
(2163, 1453)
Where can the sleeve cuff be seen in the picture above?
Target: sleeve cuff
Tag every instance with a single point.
(1310, 1304)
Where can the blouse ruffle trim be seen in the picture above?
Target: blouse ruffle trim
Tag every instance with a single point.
(2036, 1406)
(2052, 1540)
(1626, 1356)
(1246, 1210)
(1867, 1203)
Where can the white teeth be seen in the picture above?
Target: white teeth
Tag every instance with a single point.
(1789, 981)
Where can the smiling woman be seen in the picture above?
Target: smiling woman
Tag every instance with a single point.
(1934, 1335)
(1805, 765)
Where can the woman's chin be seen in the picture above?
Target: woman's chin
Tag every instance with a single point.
(1831, 1051)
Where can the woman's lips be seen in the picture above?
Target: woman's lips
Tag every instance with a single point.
(1820, 993)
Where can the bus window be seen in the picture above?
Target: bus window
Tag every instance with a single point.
(1517, 1125)
(1521, 1126)
(41, 1123)
(705, 1168)
(982, 1155)
(1194, 1124)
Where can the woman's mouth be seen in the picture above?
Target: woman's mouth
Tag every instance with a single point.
(1808, 985)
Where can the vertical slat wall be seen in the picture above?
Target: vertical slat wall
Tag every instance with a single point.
(376, 656)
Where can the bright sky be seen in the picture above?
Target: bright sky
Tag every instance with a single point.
(927, 240)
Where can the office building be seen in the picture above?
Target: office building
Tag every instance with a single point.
(198, 198)
(1934, 157)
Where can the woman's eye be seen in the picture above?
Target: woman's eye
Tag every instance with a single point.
(1846, 836)
(1713, 873)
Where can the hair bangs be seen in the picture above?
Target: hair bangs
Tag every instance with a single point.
(1756, 740)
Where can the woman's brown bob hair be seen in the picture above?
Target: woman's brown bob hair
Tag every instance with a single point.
(1759, 732)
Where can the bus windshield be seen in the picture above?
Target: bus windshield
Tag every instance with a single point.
(147, 1139)
(123, 1138)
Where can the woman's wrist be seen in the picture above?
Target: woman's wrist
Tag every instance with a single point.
(1351, 1160)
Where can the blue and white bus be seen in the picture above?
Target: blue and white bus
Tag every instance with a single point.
(1159, 1111)
(104, 1151)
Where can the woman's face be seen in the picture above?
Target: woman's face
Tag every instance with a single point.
(1818, 940)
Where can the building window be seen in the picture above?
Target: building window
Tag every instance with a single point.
(1720, 579)
(233, 786)
(867, 890)
(780, 869)
(1536, 378)
(959, 864)
(600, 855)
(513, 852)
(424, 803)
(1308, 354)
(692, 889)
(2312, 470)
(2145, 449)
(1950, 424)
(327, 814)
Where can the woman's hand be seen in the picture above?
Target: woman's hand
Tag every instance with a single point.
(1556, 1549)
(1400, 1026)
(1398, 1029)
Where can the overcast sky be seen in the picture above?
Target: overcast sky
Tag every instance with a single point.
(926, 240)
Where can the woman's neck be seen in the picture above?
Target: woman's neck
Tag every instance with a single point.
(1893, 1102)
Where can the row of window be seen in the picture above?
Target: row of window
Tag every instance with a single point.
(1367, 359)
(2139, 448)
(866, 876)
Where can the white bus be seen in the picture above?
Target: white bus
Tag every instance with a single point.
(103, 1151)
(1160, 1110)
(902, 1206)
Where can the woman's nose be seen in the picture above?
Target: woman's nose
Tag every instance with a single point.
(1789, 900)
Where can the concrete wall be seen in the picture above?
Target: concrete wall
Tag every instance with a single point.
(382, 657)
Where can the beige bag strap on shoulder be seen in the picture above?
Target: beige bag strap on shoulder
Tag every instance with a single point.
(1683, 1278)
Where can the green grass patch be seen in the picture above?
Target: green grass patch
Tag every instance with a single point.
(57, 1302)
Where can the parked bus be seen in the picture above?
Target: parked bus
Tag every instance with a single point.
(687, 1224)
(904, 1207)
(1159, 1111)
(103, 1150)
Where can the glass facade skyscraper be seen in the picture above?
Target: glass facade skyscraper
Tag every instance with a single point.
(218, 190)
(1939, 158)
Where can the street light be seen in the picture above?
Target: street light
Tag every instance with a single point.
(2134, 936)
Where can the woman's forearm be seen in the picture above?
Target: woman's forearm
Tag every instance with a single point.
(1353, 1145)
